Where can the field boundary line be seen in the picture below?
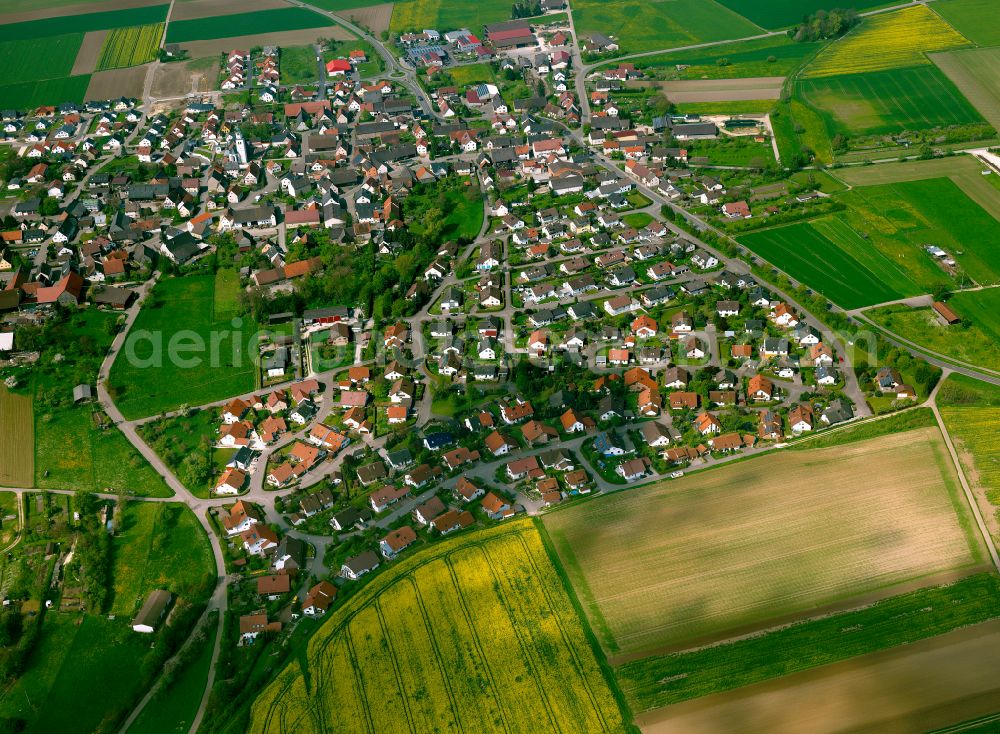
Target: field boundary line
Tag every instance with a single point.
(574, 653)
(603, 663)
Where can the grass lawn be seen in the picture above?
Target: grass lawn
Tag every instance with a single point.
(659, 681)
(17, 451)
(172, 710)
(75, 446)
(72, 452)
(978, 343)
(459, 204)
(63, 24)
(177, 438)
(463, 76)
(775, 56)
(745, 552)
(637, 220)
(415, 15)
(901, 218)
(183, 311)
(160, 545)
(392, 654)
(974, 19)
(298, 65)
(733, 152)
(886, 102)
(86, 669)
(638, 26)
(244, 24)
(830, 257)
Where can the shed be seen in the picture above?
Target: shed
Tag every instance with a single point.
(82, 393)
(152, 611)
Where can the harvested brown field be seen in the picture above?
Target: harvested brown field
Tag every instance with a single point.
(195, 9)
(925, 685)
(17, 451)
(117, 83)
(89, 53)
(718, 90)
(185, 77)
(54, 10)
(375, 17)
(766, 540)
(200, 49)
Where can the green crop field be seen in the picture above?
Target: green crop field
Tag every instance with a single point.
(773, 56)
(744, 551)
(64, 24)
(642, 26)
(773, 14)
(978, 343)
(885, 102)
(663, 680)
(415, 15)
(476, 634)
(974, 19)
(830, 257)
(976, 72)
(181, 310)
(160, 545)
(30, 61)
(130, 46)
(28, 95)
(244, 24)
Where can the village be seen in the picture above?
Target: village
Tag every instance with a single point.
(464, 277)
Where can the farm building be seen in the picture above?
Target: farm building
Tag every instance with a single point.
(152, 611)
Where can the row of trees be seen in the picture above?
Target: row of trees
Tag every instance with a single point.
(825, 24)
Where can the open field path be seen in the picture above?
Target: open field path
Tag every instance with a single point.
(969, 496)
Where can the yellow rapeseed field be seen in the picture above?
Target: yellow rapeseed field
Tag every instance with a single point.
(476, 633)
(888, 41)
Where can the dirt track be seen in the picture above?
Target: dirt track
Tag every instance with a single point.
(58, 12)
(207, 8)
(117, 83)
(201, 49)
(917, 687)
